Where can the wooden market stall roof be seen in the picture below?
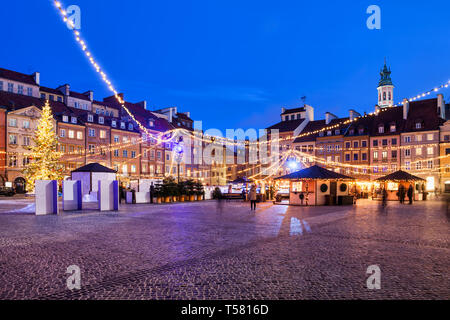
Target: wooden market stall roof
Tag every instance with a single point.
(94, 167)
(400, 176)
(315, 173)
(241, 180)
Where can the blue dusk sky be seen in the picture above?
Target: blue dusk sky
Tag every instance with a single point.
(234, 63)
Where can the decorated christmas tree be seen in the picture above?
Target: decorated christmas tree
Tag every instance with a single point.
(44, 155)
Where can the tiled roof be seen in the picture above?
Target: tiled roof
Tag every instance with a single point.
(13, 101)
(400, 176)
(17, 76)
(364, 122)
(385, 118)
(50, 90)
(79, 95)
(313, 173)
(295, 110)
(342, 129)
(287, 126)
(142, 115)
(424, 112)
(310, 127)
(183, 116)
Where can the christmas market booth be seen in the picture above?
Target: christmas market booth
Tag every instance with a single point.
(316, 186)
(398, 182)
(236, 188)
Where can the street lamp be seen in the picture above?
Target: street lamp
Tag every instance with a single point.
(293, 164)
(178, 158)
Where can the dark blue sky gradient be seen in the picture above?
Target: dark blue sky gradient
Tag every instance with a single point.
(234, 63)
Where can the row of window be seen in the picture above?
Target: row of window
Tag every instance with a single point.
(293, 117)
(356, 144)
(419, 165)
(79, 105)
(20, 88)
(348, 157)
(104, 112)
(13, 139)
(309, 148)
(116, 153)
(71, 149)
(152, 154)
(13, 122)
(51, 97)
(13, 161)
(71, 134)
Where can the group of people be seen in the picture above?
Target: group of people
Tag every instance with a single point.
(401, 193)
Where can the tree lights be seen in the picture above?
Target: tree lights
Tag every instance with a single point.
(44, 153)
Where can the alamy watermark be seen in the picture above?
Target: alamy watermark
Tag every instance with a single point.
(374, 280)
(73, 17)
(74, 280)
(374, 20)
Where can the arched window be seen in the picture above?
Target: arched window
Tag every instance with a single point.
(384, 96)
(390, 95)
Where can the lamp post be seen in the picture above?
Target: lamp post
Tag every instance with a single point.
(178, 158)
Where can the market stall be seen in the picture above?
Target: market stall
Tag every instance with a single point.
(317, 186)
(401, 179)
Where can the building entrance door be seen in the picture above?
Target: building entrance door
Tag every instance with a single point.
(19, 185)
(333, 192)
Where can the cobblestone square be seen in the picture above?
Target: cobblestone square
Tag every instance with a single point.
(200, 250)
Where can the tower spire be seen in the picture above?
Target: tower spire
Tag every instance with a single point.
(385, 87)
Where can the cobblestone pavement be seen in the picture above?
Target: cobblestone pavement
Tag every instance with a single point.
(197, 251)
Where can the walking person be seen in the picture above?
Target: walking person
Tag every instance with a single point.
(384, 198)
(252, 197)
(152, 192)
(220, 203)
(410, 194)
(401, 193)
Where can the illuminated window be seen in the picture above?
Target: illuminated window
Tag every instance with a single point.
(430, 184)
(408, 165)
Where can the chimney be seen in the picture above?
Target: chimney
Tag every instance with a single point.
(170, 115)
(65, 89)
(354, 114)
(309, 112)
(143, 104)
(328, 117)
(90, 94)
(37, 77)
(405, 109)
(441, 105)
(188, 114)
(283, 110)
